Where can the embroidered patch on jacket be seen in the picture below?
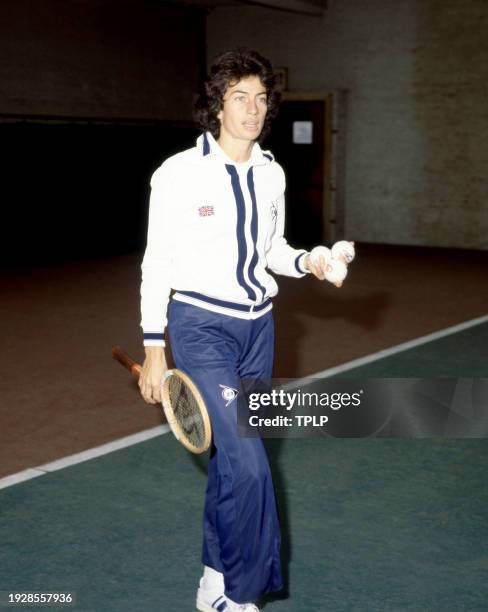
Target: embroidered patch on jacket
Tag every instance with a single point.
(206, 211)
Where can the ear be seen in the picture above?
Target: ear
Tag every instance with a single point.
(220, 115)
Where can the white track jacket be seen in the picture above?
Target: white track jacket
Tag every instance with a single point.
(215, 226)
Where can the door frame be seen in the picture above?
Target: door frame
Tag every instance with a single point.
(333, 208)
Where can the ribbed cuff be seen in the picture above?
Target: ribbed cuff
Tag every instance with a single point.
(154, 339)
(300, 263)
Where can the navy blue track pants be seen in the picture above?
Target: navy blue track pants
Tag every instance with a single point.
(241, 533)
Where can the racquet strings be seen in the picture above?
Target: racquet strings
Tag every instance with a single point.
(187, 412)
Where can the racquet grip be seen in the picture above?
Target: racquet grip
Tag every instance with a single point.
(122, 357)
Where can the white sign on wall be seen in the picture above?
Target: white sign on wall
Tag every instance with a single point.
(302, 132)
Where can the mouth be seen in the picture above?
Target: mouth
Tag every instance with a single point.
(251, 125)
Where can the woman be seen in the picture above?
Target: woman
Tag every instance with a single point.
(216, 223)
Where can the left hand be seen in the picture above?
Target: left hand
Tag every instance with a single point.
(318, 269)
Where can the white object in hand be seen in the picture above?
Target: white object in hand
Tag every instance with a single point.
(336, 271)
(343, 250)
(316, 252)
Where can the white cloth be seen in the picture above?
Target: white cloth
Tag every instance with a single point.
(214, 228)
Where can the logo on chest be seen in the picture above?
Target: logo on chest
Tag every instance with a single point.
(274, 211)
(205, 211)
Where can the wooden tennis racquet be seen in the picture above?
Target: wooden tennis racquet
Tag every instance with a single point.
(183, 405)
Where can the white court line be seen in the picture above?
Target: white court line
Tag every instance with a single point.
(161, 429)
(398, 348)
(86, 455)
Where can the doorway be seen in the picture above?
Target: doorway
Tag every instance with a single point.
(306, 141)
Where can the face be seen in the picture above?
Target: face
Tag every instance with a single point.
(245, 105)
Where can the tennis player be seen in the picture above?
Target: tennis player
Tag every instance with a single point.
(216, 222)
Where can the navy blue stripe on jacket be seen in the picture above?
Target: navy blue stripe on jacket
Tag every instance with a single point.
(241, 237)
(254, 232)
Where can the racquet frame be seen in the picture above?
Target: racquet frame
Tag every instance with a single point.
(135, 369)
(170, 415)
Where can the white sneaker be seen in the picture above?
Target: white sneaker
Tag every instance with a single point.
(211, 600)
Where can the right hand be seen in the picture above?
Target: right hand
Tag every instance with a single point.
(153, 370)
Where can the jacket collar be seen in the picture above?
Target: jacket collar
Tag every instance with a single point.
(209, 148)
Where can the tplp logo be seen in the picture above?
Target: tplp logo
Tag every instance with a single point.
(228, 393)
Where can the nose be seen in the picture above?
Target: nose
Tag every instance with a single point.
(252, 107)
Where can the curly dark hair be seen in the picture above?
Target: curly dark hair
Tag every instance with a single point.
(227, 70)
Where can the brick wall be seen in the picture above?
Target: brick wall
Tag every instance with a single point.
(417, 132)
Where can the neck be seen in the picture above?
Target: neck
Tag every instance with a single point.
(238, 150)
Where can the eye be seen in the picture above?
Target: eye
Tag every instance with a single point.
(240, 98)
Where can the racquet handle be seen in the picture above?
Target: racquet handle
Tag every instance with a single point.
(121, 356)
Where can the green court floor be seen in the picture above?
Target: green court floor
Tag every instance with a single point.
(462, 354)
(373, 525)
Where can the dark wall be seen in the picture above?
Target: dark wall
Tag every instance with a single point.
(100, 58)
(72, 191)
(94, 94)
